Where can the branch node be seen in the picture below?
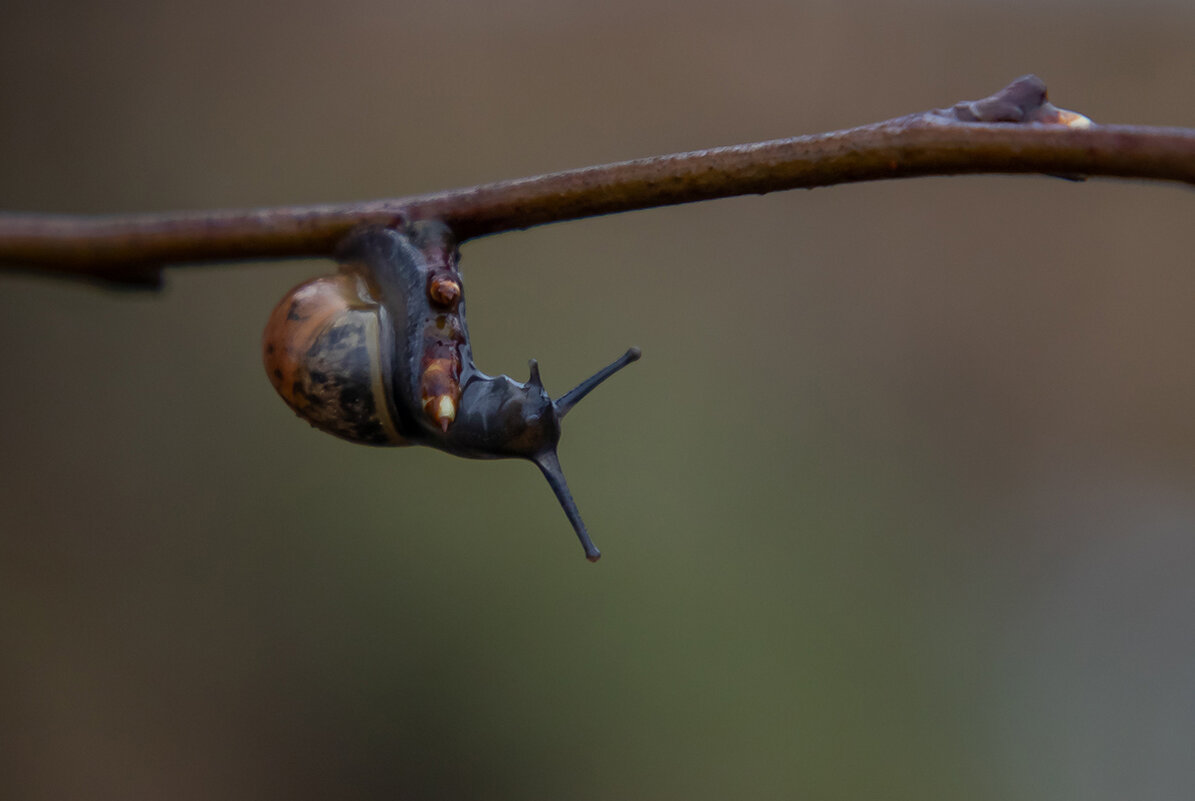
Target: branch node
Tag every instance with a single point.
(1022, 101)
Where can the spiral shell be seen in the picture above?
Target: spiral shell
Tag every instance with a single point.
(323, 353)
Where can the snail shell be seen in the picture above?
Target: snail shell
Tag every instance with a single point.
(324, 353)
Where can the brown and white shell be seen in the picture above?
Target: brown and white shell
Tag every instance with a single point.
(323, 355)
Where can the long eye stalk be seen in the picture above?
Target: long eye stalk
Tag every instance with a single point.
(550, 466)
(570, 399)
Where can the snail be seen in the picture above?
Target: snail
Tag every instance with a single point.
(379, 354)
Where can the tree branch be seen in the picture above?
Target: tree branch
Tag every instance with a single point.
(1015, 130)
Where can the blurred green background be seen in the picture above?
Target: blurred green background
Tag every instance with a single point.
(915, 520)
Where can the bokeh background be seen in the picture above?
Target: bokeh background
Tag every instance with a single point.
(915, 520)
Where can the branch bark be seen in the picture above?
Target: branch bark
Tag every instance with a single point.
(1016, 130)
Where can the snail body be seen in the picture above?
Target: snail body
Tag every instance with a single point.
(379, 354)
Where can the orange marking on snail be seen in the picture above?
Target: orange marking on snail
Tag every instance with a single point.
(444, 291)
(440, 388)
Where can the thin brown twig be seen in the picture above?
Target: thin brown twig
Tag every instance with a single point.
(1015, 130)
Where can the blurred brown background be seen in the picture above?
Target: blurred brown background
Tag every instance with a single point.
(918, 521)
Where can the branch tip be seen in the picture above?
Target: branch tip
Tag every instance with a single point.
(1022, 101)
